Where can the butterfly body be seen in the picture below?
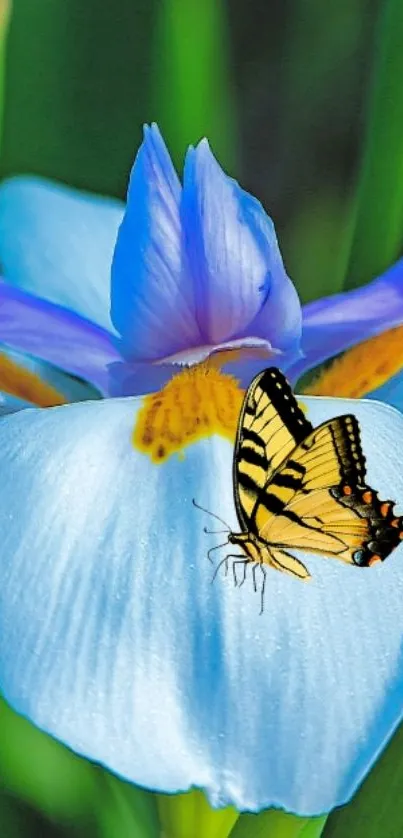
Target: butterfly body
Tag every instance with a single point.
(303, 488)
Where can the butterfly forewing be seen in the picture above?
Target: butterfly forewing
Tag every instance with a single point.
(270, 426)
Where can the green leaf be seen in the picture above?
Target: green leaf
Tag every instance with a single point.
(5, 11)
(11, 821)
(314, 243)
(378, 219)
(190, 814)
(78, 90)
(376, 810)
(278, 824)
(42, 771)
(193, 93)
(126, 811)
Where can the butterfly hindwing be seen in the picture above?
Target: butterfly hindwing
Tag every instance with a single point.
(331, 511)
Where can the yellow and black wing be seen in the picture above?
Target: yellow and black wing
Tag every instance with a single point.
(270, 426)
(315, 498)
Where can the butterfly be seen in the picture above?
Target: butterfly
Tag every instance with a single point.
(303, 488)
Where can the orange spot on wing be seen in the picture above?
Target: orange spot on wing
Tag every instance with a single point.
(374, 560)
(198, 402)
(385, 508)
(367, 496)
(347, 490)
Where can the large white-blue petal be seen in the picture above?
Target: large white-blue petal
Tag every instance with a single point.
(57, 243)
(113, 638)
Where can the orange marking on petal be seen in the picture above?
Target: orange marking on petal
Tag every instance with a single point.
(24, 384)
(363, 368)
(197, 402)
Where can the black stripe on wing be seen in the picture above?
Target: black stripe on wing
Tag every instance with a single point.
(276, 387)
(270, 426)
(347, 442)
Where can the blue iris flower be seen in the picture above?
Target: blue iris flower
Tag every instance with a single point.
(196, 270)
(112, 637)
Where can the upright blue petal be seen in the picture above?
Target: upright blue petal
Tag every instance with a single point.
(113, 638)
(241, 287)
(57, 243)
(152, 296)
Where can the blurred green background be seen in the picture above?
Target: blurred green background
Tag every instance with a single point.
(302, 103)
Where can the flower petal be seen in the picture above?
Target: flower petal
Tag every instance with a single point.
(57, 243)
(69, 388)
(10, 404)
(56, 335)
(240, 282)
(390, 392)
(241, 358)
(151, 298)
(335, 323)
(115, 630)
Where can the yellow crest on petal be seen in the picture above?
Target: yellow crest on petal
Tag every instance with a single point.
(198, 402)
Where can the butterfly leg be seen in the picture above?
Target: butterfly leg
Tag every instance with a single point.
(224, 561)
(244, 562)
(262, 590)
(264, 572)
(255, 566)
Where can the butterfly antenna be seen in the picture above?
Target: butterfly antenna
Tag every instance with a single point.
(213, 532)
(217, 517)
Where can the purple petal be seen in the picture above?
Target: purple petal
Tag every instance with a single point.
(128, 379)
(56, 335)
(151, 296)
(240, 283)
(335, 323)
